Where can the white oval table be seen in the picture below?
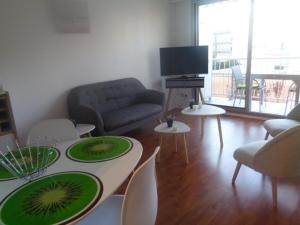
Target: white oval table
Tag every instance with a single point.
(112, 173)
(204, 111)
(177, 128)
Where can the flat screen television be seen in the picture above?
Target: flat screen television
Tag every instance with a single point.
(184, 60)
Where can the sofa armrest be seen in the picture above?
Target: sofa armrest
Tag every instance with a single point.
(86, 114)
(152, 96)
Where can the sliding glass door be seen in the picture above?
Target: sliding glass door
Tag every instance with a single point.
(253, 39)
(223, 26)
(275, 55)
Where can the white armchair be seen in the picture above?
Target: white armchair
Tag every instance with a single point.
(276, 126)
(277, 158)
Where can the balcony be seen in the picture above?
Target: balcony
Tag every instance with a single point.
(279, 93)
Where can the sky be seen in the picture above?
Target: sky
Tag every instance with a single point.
(275, 31)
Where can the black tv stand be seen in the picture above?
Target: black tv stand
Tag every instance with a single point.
(185, 82)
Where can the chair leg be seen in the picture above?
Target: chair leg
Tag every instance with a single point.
(236, 172)
(267, 135)
(235, 94)
(241, 95)
(287, 102)
(274, 192)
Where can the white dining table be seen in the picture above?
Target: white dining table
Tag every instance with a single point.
(112, 173)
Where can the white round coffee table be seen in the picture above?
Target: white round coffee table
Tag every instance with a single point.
(176, 129)
(207, 110)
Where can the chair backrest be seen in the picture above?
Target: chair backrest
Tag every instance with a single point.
(48, 132)
(294, 114)
(237, 74)
(280, 157)
(141, 201)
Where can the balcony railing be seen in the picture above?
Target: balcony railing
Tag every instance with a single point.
(223, 85)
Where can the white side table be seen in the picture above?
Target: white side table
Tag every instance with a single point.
(176, 129)
(83, 129)
(207, 110)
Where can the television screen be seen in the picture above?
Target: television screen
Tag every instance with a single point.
(184, 60)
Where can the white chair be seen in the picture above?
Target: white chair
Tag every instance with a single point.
(7, 141)
(277, 158)
(51, 131)
(139, 204)
(276, 126)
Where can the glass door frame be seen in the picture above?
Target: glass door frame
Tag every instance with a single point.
(248, 92)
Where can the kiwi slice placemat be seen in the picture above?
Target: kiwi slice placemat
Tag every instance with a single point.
(55, 199)
(99, 149)
(6, 175)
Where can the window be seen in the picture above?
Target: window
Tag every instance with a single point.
(260, 38)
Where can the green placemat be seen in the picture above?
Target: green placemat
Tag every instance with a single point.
(99, 149)
(6, 175)
(55, 199)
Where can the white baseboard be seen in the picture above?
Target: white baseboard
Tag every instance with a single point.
(247, 116)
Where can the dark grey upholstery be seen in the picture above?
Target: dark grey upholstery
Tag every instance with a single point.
(115, 107)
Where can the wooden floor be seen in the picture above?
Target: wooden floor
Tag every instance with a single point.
(201, 192)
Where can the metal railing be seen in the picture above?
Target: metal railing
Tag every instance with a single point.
(222, 80)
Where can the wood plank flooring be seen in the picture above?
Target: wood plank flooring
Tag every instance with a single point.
(201, 193)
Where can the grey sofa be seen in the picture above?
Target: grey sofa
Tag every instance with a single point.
(115, 107)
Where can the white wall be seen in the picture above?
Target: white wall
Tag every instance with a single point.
(39, 66)
(181, 23)
(181, 34)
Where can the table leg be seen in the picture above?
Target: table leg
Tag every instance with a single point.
(220, 130)
(168, 101)
(160, 145)
(202, 125)
(175, 139)
(185, 149)
(201, 96)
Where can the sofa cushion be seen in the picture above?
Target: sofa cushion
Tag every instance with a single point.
(130, 114)
(107, 96)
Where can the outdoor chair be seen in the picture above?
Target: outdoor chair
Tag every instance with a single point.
(291, 92)
(240, 84)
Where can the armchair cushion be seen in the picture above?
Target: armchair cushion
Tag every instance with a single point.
(246, 153)
(130, 114)
(276, 126)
